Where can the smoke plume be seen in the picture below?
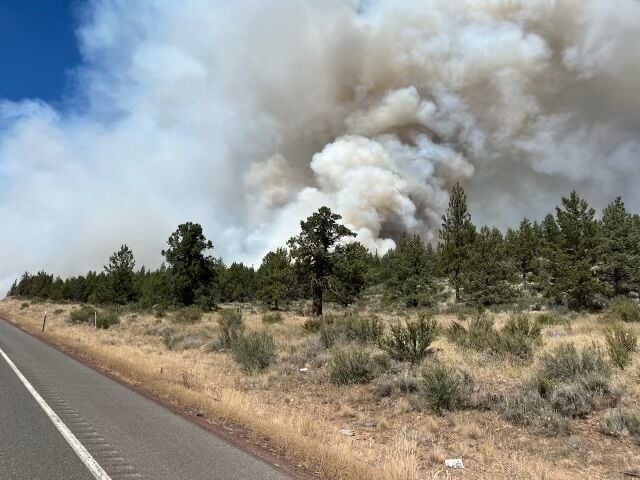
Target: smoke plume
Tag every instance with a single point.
(247, 116)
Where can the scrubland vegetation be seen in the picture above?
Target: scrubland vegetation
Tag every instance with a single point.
(516, 352)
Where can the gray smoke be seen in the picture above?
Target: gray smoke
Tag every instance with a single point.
(247, 116)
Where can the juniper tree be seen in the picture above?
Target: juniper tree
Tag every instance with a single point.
(120, 277)
(408, 272)
(275, 278)
(316, 249)
(350, 273)
(456, 235)
(191, 272)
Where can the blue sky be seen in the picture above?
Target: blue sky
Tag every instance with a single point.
(37, 48)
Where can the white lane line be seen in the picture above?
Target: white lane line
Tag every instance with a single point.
(90, 462)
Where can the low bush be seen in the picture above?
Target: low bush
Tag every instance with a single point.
(231, 327)
(517, 338)
(84, 314)
(275, 317)
(623, 309)
(571, 400)
(314, 324)
(350, 366)
(101, 318)
(107, 318)
(527, 408)
(387, 385)
(362, 329)
(329, 336)
(24, 305)
(411, 342)
(547, 319)
(58, 311)
(254, 352)
(443, 388)
(622, 342)
(565, 364)
(187, 315)
(622, 421)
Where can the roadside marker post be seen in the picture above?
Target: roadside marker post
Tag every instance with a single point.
(44, 321)
(95, 319)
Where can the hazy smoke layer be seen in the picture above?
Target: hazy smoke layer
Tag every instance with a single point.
(247, 116)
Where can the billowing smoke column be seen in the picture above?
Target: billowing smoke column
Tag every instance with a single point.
(247, 116)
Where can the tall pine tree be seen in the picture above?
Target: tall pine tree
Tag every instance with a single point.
(456, 235)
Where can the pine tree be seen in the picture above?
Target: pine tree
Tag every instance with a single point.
(456, 235)
(409, 272)
(315, 251)
(618, 249)
(120, 275)
(578, 241)
(192, 273)
(238, 283)
(350, 274)
(489, 270)
(275, 278)
(523, 246)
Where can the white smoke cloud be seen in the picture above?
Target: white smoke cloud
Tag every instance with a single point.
(247, 116)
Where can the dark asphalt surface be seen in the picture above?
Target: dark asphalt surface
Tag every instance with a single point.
(130, 436)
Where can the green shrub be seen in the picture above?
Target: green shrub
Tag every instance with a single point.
(159, 310)
(187, 315)
(107, 318)
(275, 317)
(528, 409)
(84, 314)
(444, 388)
(314, 324)
(410, 343)
(102, 318)
(231, 327)
(58, 311)
(517, 338)
(565, 364)
(571, 400)
(350, 366)
(622, 342)
(254, 352)
(329, 335)
(622, 421)
(362, 329)
(624, 309)
(481, 334)
(24, 305)
(547, 319)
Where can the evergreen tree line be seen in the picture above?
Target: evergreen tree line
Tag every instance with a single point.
(569, 258)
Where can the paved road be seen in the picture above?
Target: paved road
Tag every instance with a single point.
(129, 436)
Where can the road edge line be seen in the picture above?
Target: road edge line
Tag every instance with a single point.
(94, 467)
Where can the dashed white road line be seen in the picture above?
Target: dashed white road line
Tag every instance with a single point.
(90, 462)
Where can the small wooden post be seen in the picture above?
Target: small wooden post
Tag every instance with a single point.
(44, 321)
(95, 319)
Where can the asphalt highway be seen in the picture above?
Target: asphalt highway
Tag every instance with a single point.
(63, 420)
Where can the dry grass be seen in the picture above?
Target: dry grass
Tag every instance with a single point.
(302, 413)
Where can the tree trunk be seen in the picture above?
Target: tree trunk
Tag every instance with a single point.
(316, 308)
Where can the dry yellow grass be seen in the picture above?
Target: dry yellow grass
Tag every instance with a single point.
(302, 413)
